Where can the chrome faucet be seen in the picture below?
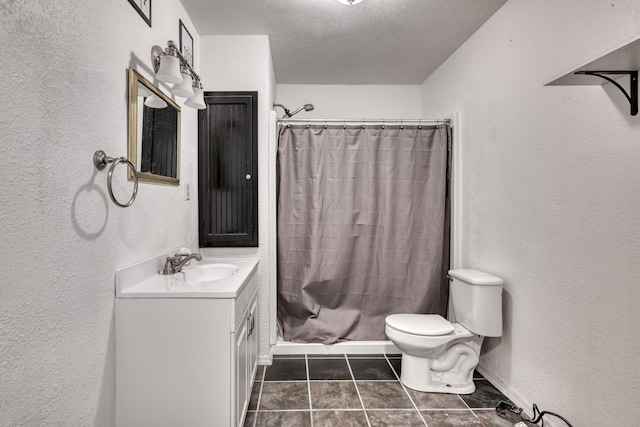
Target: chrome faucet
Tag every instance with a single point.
(175, 263)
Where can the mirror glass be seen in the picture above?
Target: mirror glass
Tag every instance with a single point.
(154, 132)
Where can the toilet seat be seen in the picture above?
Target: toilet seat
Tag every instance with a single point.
(420, 324)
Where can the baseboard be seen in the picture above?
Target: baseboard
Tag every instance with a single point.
(518, 399)
(346, 347)
(265, 360)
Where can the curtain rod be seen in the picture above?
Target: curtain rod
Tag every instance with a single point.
(370, 121)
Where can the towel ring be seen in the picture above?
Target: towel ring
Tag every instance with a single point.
(101, 160)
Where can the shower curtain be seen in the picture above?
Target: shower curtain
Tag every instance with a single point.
(363, 228)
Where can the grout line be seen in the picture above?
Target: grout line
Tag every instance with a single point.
(406, 392)
(371, 409)
(409, 409)
(345, 357)
(306, 368)
(366, 417)
(465, 404)
(356, 357)
(483, 409)
(255, 419)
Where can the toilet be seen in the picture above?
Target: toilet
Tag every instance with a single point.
(439, 355)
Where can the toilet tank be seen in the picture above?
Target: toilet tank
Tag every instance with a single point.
(476, 298)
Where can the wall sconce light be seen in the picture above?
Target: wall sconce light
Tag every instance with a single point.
(185, 88)
(197, 100)
(171, 67)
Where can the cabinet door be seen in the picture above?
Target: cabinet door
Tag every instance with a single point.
(228, 170)
(242, 381)
(253, 339)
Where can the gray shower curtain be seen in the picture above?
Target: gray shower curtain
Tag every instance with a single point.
(363, 229)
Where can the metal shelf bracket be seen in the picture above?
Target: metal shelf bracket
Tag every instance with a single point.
(632, 95)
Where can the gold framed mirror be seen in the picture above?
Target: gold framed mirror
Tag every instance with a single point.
(154, 132)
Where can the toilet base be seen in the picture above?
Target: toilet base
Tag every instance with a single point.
(423, 374)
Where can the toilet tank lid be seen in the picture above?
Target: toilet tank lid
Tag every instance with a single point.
(475, 277)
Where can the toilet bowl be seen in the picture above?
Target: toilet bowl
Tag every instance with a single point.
(440, 356)
(428, 358)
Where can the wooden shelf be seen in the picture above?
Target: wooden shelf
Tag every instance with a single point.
(624, 57)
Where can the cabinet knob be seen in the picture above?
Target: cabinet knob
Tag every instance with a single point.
(248, 177)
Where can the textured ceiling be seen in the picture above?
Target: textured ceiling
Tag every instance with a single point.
(326, 42)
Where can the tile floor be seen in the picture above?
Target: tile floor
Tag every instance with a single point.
(360, 390)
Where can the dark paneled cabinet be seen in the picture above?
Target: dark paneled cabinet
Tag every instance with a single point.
(228, 169)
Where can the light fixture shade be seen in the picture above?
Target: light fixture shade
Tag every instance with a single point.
(185, 88)
(154, 101)
(350, 2)
(169, 71)
(197, 100)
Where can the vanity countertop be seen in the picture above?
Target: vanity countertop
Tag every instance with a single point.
(141, 280)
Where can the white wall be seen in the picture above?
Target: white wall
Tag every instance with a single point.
(551, 203)
(64, 95)
(352, 101)
(243, 63)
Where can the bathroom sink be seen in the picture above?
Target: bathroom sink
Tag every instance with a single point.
(208, 272)
(207, 278)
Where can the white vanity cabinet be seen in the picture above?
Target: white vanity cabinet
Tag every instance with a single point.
(245, 357)
(186, 361)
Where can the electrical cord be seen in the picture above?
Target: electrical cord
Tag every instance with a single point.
(537, 416)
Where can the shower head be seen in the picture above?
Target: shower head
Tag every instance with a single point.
(287, 113)
(305, 107)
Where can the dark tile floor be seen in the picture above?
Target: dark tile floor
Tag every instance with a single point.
(360, 390)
